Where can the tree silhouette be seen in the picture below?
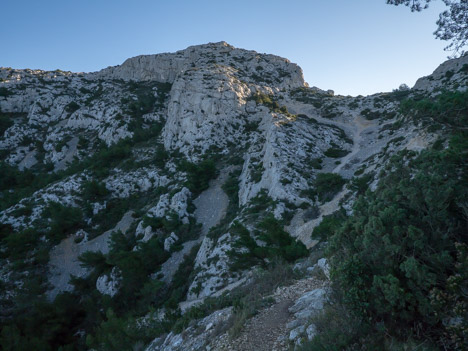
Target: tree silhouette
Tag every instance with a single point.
(452, 24)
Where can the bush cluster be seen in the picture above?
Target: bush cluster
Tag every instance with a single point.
(400, 259)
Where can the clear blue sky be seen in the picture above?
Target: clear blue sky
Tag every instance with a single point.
(353, 47)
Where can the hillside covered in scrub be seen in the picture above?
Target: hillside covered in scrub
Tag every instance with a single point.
(209, 199)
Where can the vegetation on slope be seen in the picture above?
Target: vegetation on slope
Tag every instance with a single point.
(400, 261)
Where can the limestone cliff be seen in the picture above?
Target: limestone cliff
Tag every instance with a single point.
(178, 151)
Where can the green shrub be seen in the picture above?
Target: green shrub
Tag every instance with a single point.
(161, 156)
(39, 325)
(449, 74)
(72, 107)
(334, 152)
(361, 184)
(400, 259)
(329, 225)
(4, 92)
(199, 175)
(371, 115)
(6, 121)
(261, 202)
(279, 244)
(327, 185)
(315, 163)
(448, 108)
(93, 191)
(64, 220)
(231, 187)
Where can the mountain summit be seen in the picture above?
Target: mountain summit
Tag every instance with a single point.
(149, 193)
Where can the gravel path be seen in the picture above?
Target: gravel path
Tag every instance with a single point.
(356, 128)
(212, 204)
(267, 331)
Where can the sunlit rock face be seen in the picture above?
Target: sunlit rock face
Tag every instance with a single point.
(125, 154)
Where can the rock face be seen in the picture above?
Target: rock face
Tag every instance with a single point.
(172, 153)
(166, 67)
(194, 338)
(108, 284)
(449, 75)
(304, 308)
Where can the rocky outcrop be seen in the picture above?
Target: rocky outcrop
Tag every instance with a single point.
(108, 284)
(449, 75)
(196, 337)
(119, 140)
(166, 67)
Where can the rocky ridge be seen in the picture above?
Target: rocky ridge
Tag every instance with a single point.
(128, 139)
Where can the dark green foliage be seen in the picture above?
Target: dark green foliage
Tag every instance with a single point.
(261, 202)
(253, 255)
(72, 107)
(256, 172)
(124, 333)
(93, 191)
(6, 121)
(109, 157)
(337, 329)
(96, 260)
(369, 114)
(64, 220)
(182, 279)
(251, 127)
(231, 187)
(39, 325)
(400, 259)
(263, 99)
(315, 163)
(361, 184)
(161, 156)
(12, 178)
(397, 95)
(166, 226)
(146, 101)
(448, 108)
(327, 185)
(109, 216)
(309, 96)
(96, 94)
(449, 74)
(334, 152)
(199, 175)
(135, 266)
(4, 92)
(329, 225)
(18, 244)
(279, 244)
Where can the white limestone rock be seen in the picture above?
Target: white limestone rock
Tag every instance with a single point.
(108, 284)
(196, 337)
(169, 241)
(324, 266)
(212, 263)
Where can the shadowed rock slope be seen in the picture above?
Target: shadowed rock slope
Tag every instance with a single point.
(190, 170)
